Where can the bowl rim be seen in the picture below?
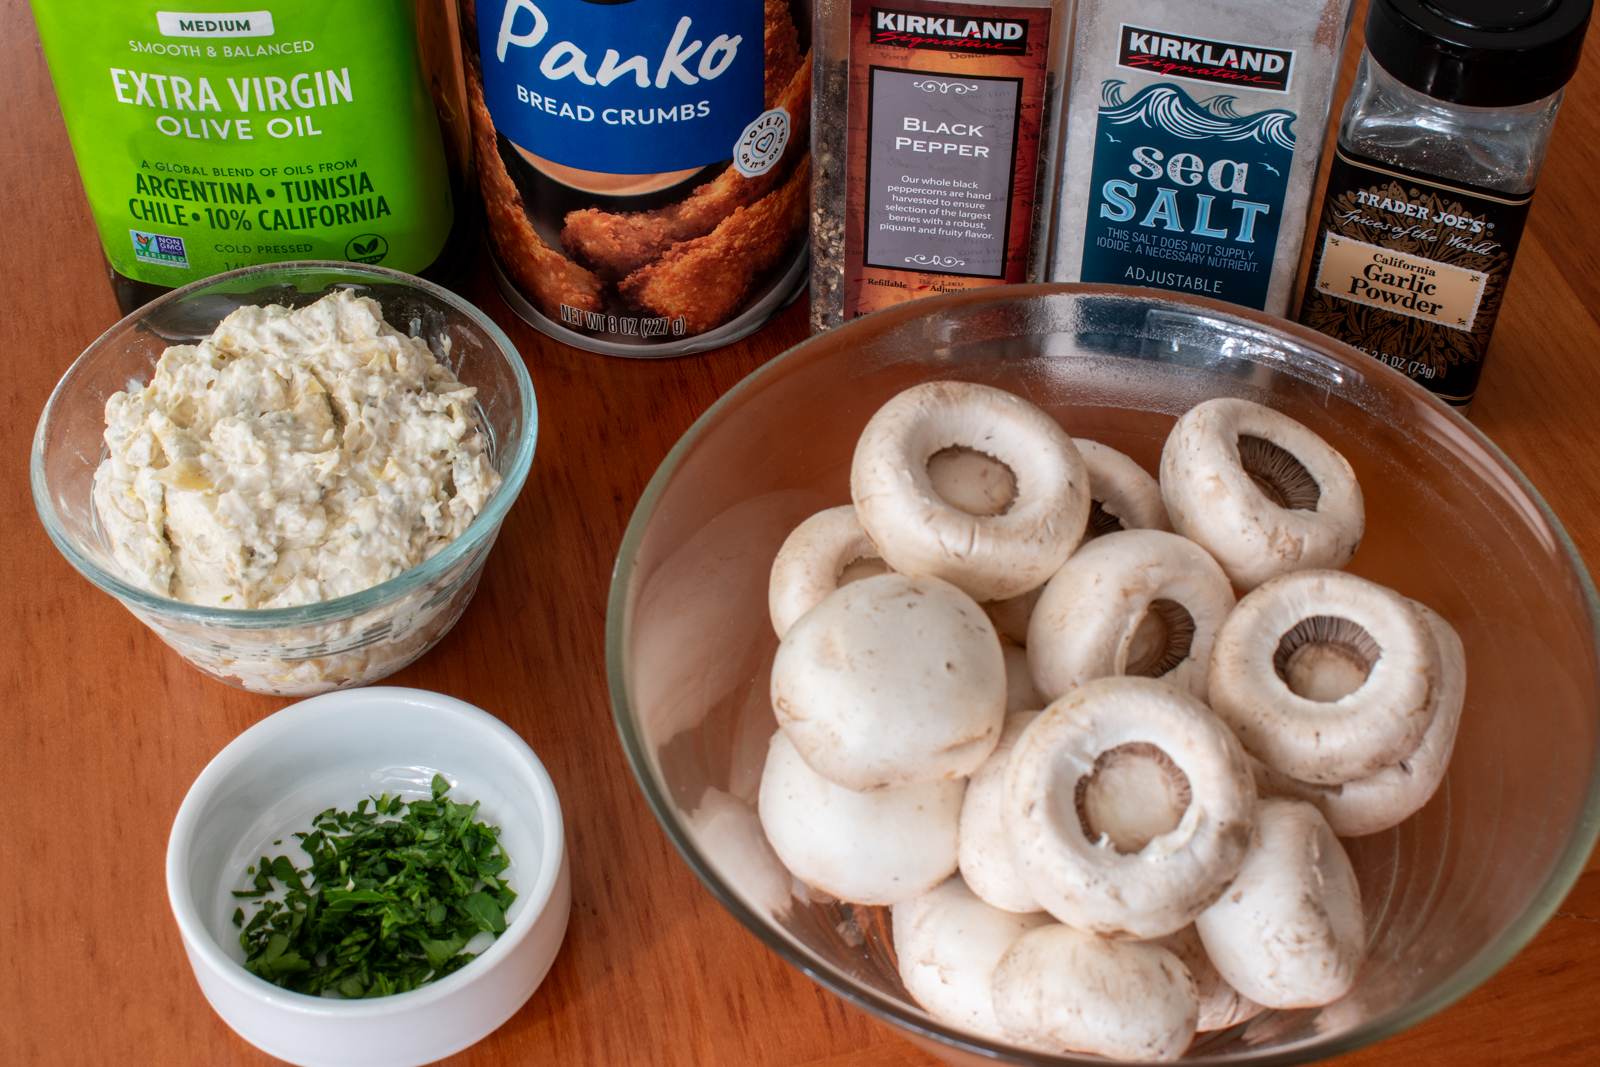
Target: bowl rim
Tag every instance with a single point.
(480, 529)
(303, 716)
(1474, 972)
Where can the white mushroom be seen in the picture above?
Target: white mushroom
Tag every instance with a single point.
(1139, 602)
(729, 835)
(1010, 616)
(986, 860)
(1289, 932)
(826, 551)
(990, 556)
(1122, 494)
(867, 848)
(1395, 793)
(1221, 1005)
(1062, 990)
(1325, 676)
(947, 943)
(891, 680)
(1259, 491)
(1129, 807)
(1021, 694)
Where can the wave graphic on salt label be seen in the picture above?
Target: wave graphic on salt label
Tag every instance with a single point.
(1186, 195)
(1170, 109)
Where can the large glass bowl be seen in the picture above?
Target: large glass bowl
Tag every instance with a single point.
(337, 643)
(1450, 896)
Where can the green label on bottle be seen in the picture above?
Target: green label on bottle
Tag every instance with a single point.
(215, 139)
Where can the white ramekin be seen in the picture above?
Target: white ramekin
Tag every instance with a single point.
(333, 750)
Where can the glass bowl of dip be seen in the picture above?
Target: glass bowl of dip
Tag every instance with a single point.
(1449, 896)
(331, 644)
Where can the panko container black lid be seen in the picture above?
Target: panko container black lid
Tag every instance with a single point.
(1479, 53)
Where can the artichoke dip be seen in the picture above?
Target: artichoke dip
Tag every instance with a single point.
(293, 456)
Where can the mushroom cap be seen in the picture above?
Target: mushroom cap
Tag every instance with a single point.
(986, 860)
(826, 551)
(1392, 795)
(992, 557)
(1327, 742)
(729, 834)
(1066, 991)
(1086, 882)
(947, 943)
(1213, 500)
(1021, 694)
(1289, 932)
(891, 680)
(1123, 489)
(1221, 1005)
(1085, 624)
(866, 848)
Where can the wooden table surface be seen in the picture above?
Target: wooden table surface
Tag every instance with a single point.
(103, 729)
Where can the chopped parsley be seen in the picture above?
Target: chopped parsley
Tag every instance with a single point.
(395, 891)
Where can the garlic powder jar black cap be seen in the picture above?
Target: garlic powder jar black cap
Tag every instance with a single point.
(1479, 53)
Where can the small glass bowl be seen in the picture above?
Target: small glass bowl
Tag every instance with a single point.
(334, 644)
(1450, 895)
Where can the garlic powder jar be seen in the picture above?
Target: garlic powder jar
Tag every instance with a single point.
(1438, 154)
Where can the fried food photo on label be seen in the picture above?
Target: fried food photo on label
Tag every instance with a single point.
(553, 280)
(707, 279)
(616, 244)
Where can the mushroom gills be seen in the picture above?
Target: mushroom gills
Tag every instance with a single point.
(1325, 658)
(1122, 494)
(1160, 640)
(1281, 477)
(1101, 521)
(973, 481)
(1135, 794)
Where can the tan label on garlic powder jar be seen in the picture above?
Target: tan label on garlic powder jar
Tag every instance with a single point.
(1404, 284)
(1413, 271)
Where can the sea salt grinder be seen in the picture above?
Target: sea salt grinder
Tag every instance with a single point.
(1438, 154)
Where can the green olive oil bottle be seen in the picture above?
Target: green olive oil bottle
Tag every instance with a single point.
(250, 131)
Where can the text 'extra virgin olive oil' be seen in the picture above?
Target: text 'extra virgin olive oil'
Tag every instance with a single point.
(250, 133)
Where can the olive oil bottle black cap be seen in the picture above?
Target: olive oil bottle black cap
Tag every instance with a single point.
(1479, 53)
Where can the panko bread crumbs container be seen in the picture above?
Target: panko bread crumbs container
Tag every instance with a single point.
(644, 164)
(251, 131)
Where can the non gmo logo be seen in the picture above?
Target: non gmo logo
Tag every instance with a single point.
(214, 24)
(950, 33)
(1197, 59)
(159, 248)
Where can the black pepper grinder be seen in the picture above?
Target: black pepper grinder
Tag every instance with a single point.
(1439, 151)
